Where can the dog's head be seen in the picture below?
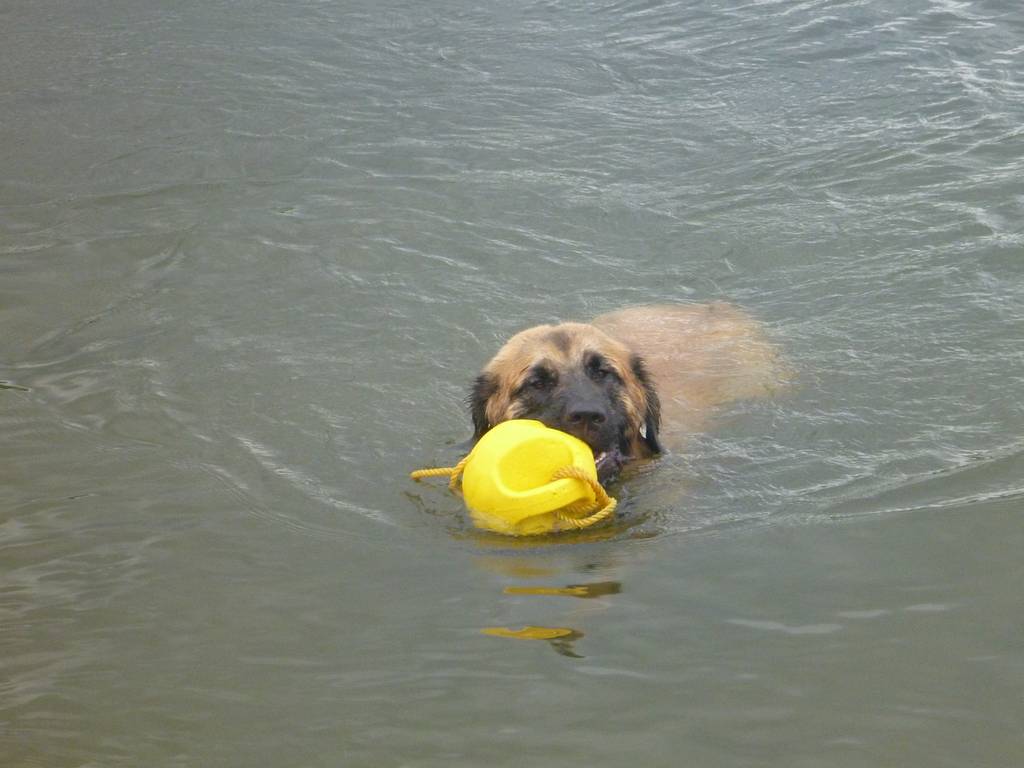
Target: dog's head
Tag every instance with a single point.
(576, 378)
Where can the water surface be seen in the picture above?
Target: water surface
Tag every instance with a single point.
(252, 254)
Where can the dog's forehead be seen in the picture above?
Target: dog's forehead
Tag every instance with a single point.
(566, 341)
(561, 345)
(561, 340)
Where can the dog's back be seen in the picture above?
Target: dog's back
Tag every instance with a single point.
(700, 356)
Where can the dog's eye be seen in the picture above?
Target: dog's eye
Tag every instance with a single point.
(538, 382)
(599, 370)
(540, 379)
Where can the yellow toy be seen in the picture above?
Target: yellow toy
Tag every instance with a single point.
(523, 478)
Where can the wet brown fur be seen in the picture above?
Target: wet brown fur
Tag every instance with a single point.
(565, 348)
(676, 364)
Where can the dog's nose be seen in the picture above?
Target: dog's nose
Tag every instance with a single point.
(584, 416)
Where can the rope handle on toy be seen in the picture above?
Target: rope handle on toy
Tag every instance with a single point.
(451, 472)
(601, 498)
(605, 502)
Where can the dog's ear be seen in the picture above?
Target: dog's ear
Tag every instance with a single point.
(652, 414)
(483, 390)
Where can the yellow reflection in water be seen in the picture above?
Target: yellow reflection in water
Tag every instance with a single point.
(560, 638)
(594, 589)
(530, 633)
